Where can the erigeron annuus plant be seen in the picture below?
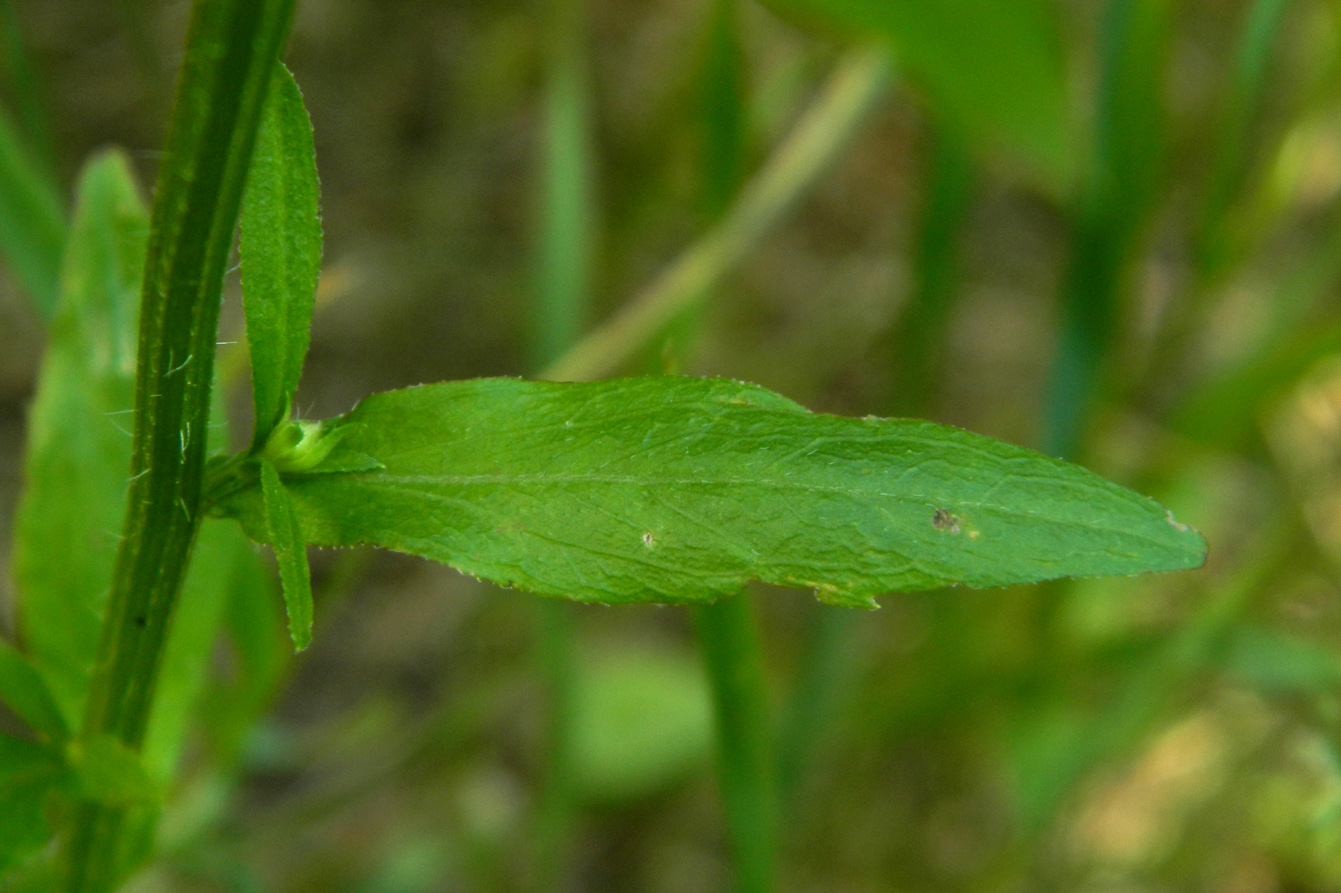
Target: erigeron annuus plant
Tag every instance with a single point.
(658, 489)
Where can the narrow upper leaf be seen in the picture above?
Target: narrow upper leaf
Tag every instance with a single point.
(680, 490)
(285, 535)
(281, 251)
(32, 222)
(78, 451)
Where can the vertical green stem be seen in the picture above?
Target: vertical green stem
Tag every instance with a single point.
(232, 47)
(730, 645)
(727, 630)
(920, 339)
(562, 296)
(1112, 210)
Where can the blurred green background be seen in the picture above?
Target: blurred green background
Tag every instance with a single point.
(1108, 230)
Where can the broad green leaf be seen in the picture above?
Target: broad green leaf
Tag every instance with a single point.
(32, 223)
(284, 534)
(281, 251)
(78, 452)
(26, 693)
(994, 68)
(29, 773)
(680, 489)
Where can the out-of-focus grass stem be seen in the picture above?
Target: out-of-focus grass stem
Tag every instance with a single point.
(919, 340)
(27, 89)
(562, 296)
(729, 637)
(730, 642)
(1112, 210)
(822, 135)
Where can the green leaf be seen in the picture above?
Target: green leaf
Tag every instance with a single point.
(29, 773)
(286, 537)
(680, 489)
(78, 444)
(281, 251)
(32, 222)
(26, 693)
(992, 67)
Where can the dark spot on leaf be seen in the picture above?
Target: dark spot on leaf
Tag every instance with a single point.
(141, 621)
(941, 519)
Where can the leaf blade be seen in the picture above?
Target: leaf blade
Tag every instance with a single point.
(78, 450)
(280, 249)
(679, 490)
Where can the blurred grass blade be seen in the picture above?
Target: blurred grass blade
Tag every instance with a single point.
(1215, 242)
(32, 224)
(281, 251)
(1114, 207)
(921, 333)
(794, 167)
(680, 490)
(991, 68)
(561, 301)
(722, 110)
(291, 552)
(25, 692)
(729, 638)
(78, 444)
(29, 773)
(27, 87)
(563, 274)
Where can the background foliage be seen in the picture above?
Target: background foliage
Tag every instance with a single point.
(1118, 241)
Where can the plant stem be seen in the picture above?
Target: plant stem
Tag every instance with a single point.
(821, 136)
(232, 47)
(561, 298)
(1111, 212)
(730, 646)
(920, 338)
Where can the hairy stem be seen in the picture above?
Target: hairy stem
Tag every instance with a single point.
(232, 47)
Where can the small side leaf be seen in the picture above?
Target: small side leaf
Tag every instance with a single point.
(285, 535)
(672, 489)
(281, 251)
